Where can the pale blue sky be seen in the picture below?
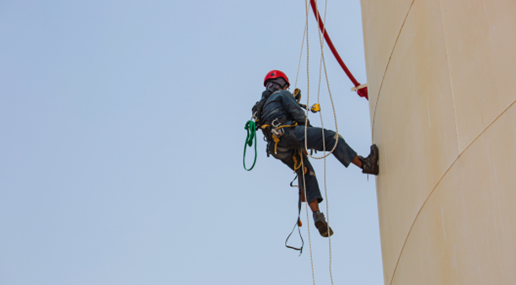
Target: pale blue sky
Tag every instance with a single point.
(122, 136)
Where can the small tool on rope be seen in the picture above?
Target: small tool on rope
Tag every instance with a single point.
(250, 126)
(297, 95)
(315, 108)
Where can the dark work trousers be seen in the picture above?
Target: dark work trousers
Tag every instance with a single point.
(286, 151)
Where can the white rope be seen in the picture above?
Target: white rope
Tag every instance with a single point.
(301, 54)
(307, 218)
(329, 92)
(322, 63)
(302, 160)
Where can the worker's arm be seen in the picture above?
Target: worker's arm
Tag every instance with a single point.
(292, 107)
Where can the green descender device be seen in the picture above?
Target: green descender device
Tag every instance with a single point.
(250, 127)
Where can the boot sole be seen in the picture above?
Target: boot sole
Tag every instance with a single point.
(323, 228)
(374, 150)
(376, 158)
(375, 153)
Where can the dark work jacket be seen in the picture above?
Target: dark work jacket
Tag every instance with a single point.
(281, 104)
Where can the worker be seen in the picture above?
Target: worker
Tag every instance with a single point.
(282, 121)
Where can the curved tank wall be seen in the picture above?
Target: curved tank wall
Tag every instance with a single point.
(442, 87)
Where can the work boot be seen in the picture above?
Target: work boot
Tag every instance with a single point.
(370, 163)
(321, 225)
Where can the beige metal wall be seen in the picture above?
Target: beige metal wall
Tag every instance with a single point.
(442, 87)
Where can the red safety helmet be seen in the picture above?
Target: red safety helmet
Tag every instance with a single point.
(275, 74)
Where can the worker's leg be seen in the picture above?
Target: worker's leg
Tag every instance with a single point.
(314, 205)
(292, 159)
(313, 192)
(343, 152)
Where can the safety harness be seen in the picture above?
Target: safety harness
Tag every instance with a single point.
(276, 130)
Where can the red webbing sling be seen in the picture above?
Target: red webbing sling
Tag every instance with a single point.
(361, 92)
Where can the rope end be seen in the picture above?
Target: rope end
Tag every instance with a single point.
(361, 90)
(359, 87)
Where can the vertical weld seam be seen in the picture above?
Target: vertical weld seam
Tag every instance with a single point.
(450, 76)
(387, 67)
(439, 182)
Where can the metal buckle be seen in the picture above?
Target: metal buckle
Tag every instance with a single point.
(277, 132)
(275, 123)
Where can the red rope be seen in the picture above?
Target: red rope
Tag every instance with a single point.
(361, 92)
